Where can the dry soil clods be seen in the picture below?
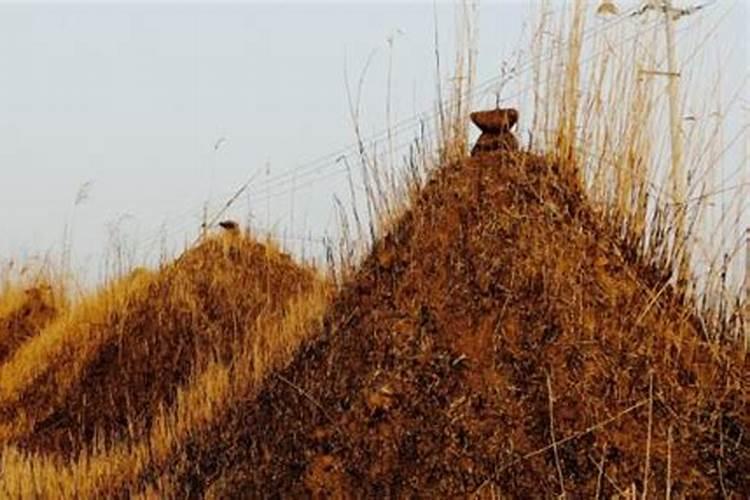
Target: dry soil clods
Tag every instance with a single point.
(495, 126)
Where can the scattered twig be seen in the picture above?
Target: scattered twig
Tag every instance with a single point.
(482, 486)
(669, 462)
(648, 439)
(721, 479)
(651, 303)
(574, 436)
(552, 432)
(620, 491)
(601, 474)
(307, 396)
(232, 199)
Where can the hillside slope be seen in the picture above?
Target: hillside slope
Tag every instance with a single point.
(501, 339)
(102, 373)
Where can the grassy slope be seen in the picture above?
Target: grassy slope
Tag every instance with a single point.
(107, 368)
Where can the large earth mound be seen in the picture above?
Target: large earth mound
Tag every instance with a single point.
(103, 373)
(502, 339)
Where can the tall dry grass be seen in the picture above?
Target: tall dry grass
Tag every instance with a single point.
(600, 105)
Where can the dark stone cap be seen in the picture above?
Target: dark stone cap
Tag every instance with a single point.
(497, 120)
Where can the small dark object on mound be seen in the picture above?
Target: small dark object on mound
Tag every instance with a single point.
(495, 126)
(229, 225)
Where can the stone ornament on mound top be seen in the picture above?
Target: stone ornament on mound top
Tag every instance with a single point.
(495, 126)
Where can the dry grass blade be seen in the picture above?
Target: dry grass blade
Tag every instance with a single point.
(552, 435)
(646, 468)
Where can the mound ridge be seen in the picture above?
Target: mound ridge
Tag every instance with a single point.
(107, 370)
(25, 316)
(502, 338)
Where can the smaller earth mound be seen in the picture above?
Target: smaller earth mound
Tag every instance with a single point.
(111, 368)
(25, 316)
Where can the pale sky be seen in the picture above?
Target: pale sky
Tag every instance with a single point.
(133, 98)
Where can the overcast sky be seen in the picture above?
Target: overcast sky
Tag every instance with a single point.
(160, 107)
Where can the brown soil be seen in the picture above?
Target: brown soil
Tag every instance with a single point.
(434, 372)
(37, 309)
(195, 311)
(491, 142)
